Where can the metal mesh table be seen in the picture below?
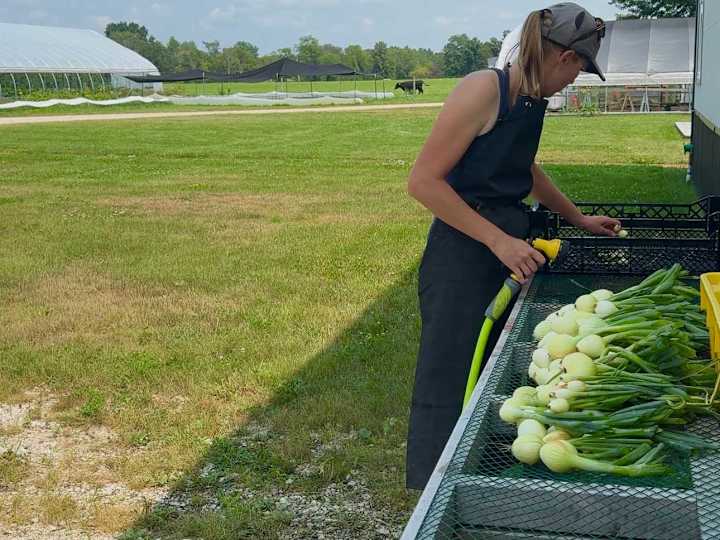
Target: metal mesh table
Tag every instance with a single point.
(479, 491)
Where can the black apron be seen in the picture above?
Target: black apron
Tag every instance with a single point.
(460, 276)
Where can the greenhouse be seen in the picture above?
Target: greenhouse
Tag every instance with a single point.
(43, 61)
(648, 65)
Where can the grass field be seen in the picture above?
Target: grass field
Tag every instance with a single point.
(230, 305)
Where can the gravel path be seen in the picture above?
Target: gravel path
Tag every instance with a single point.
(16, 120)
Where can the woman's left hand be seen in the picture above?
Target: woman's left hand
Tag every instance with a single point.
(600, 225)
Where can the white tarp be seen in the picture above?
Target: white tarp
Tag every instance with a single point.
(267, 98)
(643, 52)
(81, 101)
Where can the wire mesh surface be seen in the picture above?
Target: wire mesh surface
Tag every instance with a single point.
(486, 494)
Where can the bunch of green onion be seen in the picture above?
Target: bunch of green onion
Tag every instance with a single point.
(618, 378)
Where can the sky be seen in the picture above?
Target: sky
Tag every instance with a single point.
(275, 24)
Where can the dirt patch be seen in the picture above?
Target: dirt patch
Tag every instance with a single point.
(250, 206)
(260, 212)
(67, 490)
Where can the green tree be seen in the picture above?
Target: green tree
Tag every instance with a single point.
(190, 57)
(658, 8)
(357, 58)
(137, 38)
(127, 28)
(463, 55)
(240, 57)
(381, 60)
(214, 59)
(308, 50)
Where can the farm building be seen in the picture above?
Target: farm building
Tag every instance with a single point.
(706, 113)
(44, 58)
(648, 65)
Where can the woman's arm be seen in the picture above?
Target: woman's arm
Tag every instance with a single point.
(545, 192)
(470, 109)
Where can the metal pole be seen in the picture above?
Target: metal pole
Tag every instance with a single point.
(67, 81)
(606, 99)
(14, 85)
(28, 81)
(102, 80)
(82, 88)
(55, 81)
(42, 82)
(92, 84)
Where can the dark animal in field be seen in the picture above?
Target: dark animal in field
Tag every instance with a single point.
(407, 86)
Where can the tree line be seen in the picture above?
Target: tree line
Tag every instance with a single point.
(461, 55)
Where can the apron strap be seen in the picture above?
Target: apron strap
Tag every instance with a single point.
(504, 80)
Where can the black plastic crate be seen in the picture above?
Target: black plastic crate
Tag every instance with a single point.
(659, 236)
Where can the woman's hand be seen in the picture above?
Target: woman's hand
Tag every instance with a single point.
(520, 257)
(600, 225)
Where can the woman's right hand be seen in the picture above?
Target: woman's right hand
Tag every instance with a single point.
(521, 258)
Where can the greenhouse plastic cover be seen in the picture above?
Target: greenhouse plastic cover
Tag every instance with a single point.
(635, 52)
(47, 49)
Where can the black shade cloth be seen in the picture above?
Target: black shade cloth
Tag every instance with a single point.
(190, 75)
(285, 67)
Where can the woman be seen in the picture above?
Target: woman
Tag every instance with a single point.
(473, 172)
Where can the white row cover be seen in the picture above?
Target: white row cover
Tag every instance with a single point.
(48, 49)
(268, 98)
(643, 52)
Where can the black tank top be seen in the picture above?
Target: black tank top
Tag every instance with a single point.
(495, 168)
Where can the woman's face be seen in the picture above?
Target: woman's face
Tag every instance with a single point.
(561, 69)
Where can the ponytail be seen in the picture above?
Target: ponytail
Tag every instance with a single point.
(532, 49)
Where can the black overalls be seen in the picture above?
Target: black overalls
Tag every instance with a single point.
(460, 276)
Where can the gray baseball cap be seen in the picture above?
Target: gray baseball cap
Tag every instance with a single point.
(572, 27)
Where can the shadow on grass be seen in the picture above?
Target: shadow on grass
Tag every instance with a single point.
(326, 454)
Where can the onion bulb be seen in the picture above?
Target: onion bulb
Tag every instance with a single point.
(565, 325)
(559, 405)
(602, 294)
(560, 345)
(544, 341)
(577, 386)
(578, 365)
(558, 456)
(556, 435)
(605, 308)
(532, 370)
(541, 330)
(566, 309)
(541, 358)
(542, 376)
(586, 303)
(592, 345)
(531, 427)
(511, 412)
(544, 392)
(525, 395)
(526, 449)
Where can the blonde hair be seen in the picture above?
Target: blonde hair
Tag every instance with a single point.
(532, 52)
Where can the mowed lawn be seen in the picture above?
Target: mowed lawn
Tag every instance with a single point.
(234, 300)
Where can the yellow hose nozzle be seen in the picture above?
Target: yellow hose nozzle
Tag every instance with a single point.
(551, 248)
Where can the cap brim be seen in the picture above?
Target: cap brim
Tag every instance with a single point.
(594, 68)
